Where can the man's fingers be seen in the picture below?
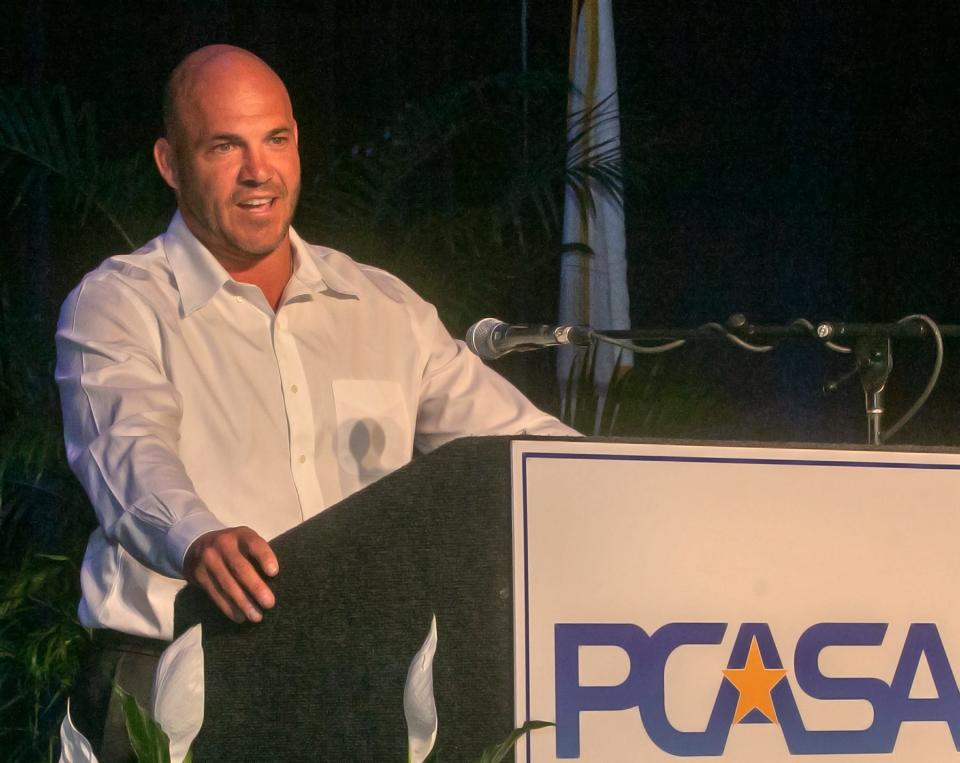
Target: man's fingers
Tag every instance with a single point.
(231, 589)
(248, 577)
(257, 548)
(212, 589)
(220, 562)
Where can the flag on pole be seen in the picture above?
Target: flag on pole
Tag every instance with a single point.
(593, 269)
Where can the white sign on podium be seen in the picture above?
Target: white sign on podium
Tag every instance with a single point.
(749, 604)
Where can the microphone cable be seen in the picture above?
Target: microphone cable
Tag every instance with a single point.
(931, 381)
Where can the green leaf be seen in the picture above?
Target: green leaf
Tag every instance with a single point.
(498, 752)
(149, 742)
(39, 128)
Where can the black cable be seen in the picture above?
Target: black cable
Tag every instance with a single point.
(931, 382)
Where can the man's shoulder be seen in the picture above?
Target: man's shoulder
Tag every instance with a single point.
(143, 272)
(359, 276)
(147, 262)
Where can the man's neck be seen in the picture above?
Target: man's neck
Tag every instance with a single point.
(270, 274)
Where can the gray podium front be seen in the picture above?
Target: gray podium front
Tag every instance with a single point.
(322, 677)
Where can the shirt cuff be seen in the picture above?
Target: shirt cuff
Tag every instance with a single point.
(181, 535)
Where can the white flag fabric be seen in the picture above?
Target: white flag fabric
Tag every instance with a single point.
(593, 270)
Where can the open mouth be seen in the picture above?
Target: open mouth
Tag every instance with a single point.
(257, 205)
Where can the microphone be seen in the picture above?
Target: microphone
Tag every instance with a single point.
(490, 338)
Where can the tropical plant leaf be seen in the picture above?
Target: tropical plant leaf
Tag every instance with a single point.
(666, 396)
(588, 405)
(147, 738)
(42, 136)
(498, 752)
(449, 195)
(581, 395)
(40, 647)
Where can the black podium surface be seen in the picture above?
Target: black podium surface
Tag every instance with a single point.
(322, 677)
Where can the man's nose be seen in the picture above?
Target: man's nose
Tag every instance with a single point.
(255, 169)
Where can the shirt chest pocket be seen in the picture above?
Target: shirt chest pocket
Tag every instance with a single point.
(374, 432)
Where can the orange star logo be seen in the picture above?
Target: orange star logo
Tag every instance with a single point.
(754, 681)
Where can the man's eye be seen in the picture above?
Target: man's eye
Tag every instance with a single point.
(278, 140)
(222, 148)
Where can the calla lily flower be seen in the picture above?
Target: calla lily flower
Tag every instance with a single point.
(419, 707)
(176, 701)
(74, 746)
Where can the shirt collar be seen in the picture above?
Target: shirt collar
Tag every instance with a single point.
(312, 270)
(199, 275)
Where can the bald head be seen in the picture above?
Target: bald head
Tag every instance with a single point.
(230, 155)
(213, 68)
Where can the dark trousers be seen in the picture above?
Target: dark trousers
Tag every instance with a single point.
(114, 659)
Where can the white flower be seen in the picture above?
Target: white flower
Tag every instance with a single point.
(74, 746)
(176, 701)
(418, 703)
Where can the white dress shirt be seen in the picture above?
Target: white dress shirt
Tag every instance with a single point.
(189, 405)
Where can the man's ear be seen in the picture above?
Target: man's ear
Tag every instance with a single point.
(163, 155)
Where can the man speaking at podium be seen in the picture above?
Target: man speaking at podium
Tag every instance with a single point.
(228, 380)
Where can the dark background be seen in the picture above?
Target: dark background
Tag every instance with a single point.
(784, 160)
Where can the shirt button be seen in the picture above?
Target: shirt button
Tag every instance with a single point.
(239, 299)
(302, 459)
(294, 389)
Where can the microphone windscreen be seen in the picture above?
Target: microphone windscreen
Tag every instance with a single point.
(479, 338)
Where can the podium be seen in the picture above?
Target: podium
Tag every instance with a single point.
(322, 677)
(656, 600)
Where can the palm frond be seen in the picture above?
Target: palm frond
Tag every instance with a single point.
(446, 196)
(42, 136)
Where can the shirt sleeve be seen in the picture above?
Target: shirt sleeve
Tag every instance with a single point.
(121, 418)
(460, 396)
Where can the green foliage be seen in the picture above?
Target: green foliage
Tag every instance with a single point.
(43, 136)
(40, 647)
(497, 752)
(453, 200)
(148, 740)
(665, 398)
(44, 518)
(582, 394)
(661, 396)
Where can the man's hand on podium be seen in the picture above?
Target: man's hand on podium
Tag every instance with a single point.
(220, 563)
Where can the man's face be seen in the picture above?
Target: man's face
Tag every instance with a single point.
(233, 161)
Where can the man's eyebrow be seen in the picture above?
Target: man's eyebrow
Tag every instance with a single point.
(230, 137)
(223, 137)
